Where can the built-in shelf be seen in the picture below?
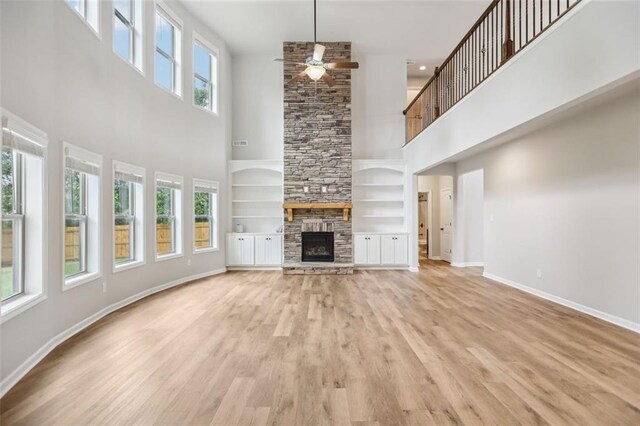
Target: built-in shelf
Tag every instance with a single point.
(379, 194)
(256, 195)
(257, 201)
(256, 184)
(380, 184)
(373, 200)
(256, 217)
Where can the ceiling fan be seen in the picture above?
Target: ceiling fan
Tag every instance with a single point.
(314, 67)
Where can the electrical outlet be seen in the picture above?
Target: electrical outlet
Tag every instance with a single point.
(539, 273)
(188, 262)
(104, 286)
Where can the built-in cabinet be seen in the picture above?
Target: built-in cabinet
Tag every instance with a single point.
(268, 250)
(254, 249)
(380, 249)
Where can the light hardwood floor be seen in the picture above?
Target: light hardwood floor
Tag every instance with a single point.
(444, 346)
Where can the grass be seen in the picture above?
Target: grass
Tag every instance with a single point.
(6, 277)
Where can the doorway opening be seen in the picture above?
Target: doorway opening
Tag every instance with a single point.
(435, 218)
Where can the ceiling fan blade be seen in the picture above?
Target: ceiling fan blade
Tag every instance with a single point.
(288, 62)
(328, 79)
(342, 65)
(297, 77)
(318, 52)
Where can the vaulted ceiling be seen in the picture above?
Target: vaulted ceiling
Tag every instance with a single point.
(425, 31)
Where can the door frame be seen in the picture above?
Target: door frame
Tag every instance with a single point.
(429, 223)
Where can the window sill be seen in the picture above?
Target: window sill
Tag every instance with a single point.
(129, 265)
(20, 304)
(210, 111)
(131, 64)
(171, 92)
(205, 250)
(168, 257)
(80, 280)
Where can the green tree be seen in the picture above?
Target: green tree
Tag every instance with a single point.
(201, 97)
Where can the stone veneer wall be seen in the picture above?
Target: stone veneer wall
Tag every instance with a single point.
(317, 147)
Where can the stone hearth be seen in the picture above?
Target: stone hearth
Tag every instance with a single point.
(317, 154)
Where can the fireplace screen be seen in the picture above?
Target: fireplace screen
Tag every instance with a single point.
(317, 246)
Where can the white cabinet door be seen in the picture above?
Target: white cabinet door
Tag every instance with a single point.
(262, 250)
(401, 255)
(360, 249)
(248, 255)
(387, 249)
(373, 250)
(275, 250)
(234, 250)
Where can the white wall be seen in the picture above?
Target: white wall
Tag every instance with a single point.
(378, 97)
(565, 199)
(60, 77)
(258, 107)
(469, 219)
(591, 48)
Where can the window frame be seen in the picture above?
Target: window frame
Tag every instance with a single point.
(214, 58)
(17, 217)
(32, 143)
(213, 215)
(81, 217)
(137, 201)
(92, 201)
(136, 31)
(175, 217)
(176, 58)
(89, 13)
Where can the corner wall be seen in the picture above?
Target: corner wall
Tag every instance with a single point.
(565, 200)
(60, 77)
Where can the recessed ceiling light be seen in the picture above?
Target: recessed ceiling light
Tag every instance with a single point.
(422, 68)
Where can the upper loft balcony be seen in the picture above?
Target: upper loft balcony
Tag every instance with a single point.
(522, 60)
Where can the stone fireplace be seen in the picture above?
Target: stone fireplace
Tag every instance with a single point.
(317, 160)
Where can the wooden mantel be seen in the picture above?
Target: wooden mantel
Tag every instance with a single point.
(345, 207)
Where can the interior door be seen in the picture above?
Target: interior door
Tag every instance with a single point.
(422, 222)
(446, 209)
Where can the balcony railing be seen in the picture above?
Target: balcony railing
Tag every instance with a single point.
(503, 30)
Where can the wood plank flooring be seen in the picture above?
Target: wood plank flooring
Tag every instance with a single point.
(444, 346)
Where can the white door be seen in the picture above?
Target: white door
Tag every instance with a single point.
(446, 209)
(373, 250)
(275, 250)
(360, 249)
(234, 250)
(262, 249)
(387, 249)
(401, 256)
(247, 251)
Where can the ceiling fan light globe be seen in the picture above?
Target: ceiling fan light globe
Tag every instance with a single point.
(315, 72)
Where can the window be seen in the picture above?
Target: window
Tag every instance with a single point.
(12, 225)
(23, 216)
(205, 71)
(87, 10)
(128, 216)
(205, 200)
(82, 232)
(127, 31)
(168, 216)
(168, 50)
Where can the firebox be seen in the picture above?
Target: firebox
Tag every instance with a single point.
(317, 247)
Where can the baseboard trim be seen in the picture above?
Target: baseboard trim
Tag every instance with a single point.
(381, 268)
(254, 268)
(435, 258)
(16, 375)
(466, 264)
(621, 322)
(414, 269)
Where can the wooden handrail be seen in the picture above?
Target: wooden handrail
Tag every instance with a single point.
(502, 30)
